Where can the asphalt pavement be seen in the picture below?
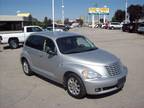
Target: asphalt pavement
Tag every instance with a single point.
(20, 91)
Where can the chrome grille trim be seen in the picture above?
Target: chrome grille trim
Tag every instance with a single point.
(114, 69)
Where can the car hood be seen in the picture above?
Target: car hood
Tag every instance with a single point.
(95, 57)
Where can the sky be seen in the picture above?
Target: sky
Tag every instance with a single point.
(72, 8)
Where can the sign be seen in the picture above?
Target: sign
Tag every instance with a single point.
(23, 14)
(98, 11)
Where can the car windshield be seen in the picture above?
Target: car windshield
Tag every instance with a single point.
(75, 44)
(115, 23)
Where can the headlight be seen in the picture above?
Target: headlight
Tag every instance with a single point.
(88, 74)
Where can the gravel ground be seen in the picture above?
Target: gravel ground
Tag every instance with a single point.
(20, 91)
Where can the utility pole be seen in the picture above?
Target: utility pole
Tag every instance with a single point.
(53, 17)
(62, 11)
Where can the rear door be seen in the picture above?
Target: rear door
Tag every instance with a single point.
(42, 62)
(34, 48)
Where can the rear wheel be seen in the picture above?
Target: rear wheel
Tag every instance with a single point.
(13, 43)
(112, 28)
(26, 68)
(75, 86)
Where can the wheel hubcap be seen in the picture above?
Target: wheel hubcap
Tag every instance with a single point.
(25, 67)
(73, 86)
(13, 44)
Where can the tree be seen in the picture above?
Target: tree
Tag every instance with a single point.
(66, 21)
(80, 21)
(59, 22)
(30, 20)
(49, 22)
(135, 12)
(119, 16)
(114, 19)
(45, 22)
(36, 22)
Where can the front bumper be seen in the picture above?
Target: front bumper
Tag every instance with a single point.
(102, 86)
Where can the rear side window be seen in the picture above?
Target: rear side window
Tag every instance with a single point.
(35, 42)
(33, 29)
(141, 25)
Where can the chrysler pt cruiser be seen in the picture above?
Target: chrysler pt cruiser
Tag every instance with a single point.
(73, 61)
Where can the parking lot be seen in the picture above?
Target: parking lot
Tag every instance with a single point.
(20, 91)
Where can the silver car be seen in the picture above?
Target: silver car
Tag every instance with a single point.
(141, 28)
(74, 61)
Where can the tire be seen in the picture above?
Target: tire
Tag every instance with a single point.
(112, 28)
(13, 43)
(26, 68)
(123, 30)
(75, 86)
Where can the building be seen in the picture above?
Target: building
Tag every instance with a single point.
(11, 22)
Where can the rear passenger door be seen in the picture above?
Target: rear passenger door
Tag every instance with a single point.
(41, 61)
(35, 50)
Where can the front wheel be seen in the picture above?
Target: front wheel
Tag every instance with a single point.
(112, 28)
(13, 43)
(75, 86)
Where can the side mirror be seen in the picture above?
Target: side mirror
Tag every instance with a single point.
(50, 52)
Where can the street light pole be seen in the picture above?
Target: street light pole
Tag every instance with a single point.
(62, 11)
(126, 5)
(53, 14)
(104, 18)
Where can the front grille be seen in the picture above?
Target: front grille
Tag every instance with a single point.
(114, 69)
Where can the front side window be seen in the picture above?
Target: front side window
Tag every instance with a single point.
(29, 29)
(49, 45)
(35, 42)
(75, 44)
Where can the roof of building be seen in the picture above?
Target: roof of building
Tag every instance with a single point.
(12, 18)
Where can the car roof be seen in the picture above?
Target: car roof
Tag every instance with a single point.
(55, 35)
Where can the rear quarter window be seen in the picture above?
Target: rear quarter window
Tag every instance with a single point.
(35, 42)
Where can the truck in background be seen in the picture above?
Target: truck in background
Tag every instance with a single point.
(14, 38)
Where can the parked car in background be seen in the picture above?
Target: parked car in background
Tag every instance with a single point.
(130, 27)
(98, 26)
(51, 29)
(115, 25)
(125, 27)
(75, 25)
(14, 38)
(104, 26)
(59, 27)
(73, 61)
(64, 27)
(141, 28)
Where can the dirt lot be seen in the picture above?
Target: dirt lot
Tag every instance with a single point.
(20, 91)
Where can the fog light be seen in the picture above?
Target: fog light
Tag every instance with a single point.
(97, 89)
